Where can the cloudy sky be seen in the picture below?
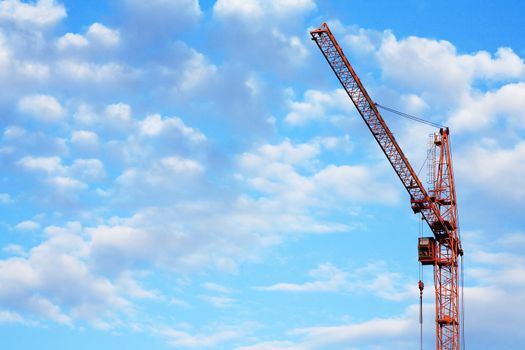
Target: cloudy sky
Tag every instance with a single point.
(185, 174)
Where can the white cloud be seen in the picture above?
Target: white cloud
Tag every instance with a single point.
(498, 170)
(164, 175)
(154, 125)
(33, 287)
(86, 115)
(285, 152)
(41, 13)
(318, 106)
(331, 279)
(483, 109)
(372, 278)
(42, 107)
(98, 32)
(255, 9)
(84, 139)
(195, 73)
(72, 69)
(432, 69)
(292, 176)
(159, 18)
(378, 333)
(413, 103)
(66, 184)
(14, 249)
(291, 46)
(347, 181)
(5, 55)
(183, 339)
(179, 165)
(50, 165)
(88, 169)
(214, 287)
(389, 329)
(14, 132)
(10, 317)
(273, 345)
(34, 70)
(184, 242)
(27, 225)
(218, 301)
(72, 40)
(127, 285)
(505, 64)
(435, 69)
(118, 113)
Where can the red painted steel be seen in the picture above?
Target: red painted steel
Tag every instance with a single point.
(437, 207)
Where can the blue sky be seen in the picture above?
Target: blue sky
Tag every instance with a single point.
(189, 175)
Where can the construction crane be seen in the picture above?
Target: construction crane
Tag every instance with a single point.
(437, 206)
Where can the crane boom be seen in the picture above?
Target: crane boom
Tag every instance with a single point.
(419, 197)
(437, 206)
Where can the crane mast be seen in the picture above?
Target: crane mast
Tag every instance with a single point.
(436, 206)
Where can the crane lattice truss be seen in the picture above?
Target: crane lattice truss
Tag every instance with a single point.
(437, 206)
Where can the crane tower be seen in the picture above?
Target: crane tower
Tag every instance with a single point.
(437, 206)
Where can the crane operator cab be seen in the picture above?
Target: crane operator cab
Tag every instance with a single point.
(426, 250)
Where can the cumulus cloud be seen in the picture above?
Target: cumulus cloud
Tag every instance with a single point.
(214, 287)
(35, 71)
(40, 13)
(331, 279)
(318, 106)
(42, 107)
(286, 47)
(195, 72)
(27, 225)
(61, 177)
(77, 70)
(159, 18)
(66, 184)
(179, 338)
(254, 9)
(85, 139)
(499, 170)
(484, 109)
(218, 301)
(437, 69)
(88, 169)
(98, 32)
(155, 125)
(379, 333)
(373, 278)
(50, 165)
(72, 40)
(32, 285)
(118, 113)
(287, 171)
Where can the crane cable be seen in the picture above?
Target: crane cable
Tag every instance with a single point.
(421, 286)
(409, 116)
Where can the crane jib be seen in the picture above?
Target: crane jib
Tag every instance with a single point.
(421, 201)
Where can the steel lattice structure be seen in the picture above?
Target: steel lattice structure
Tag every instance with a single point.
(437, 206)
